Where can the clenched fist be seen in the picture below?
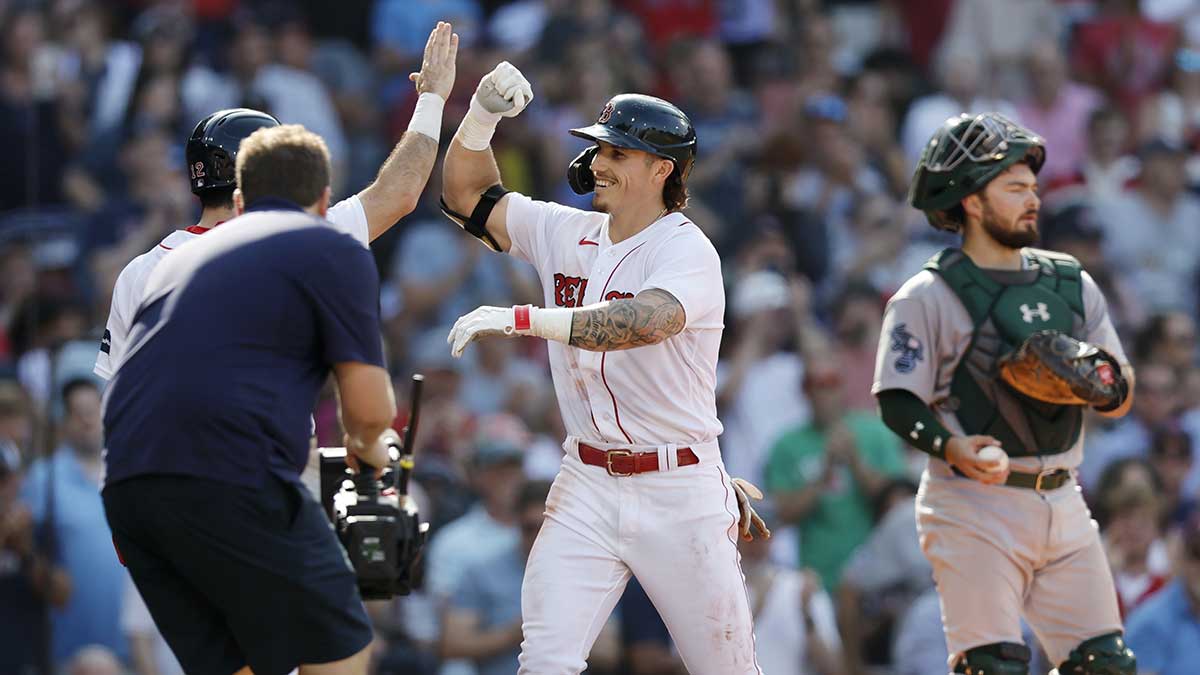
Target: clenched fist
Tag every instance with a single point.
(504, 91)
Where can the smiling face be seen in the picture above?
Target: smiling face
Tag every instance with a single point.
(626, 176)
(1007, 208)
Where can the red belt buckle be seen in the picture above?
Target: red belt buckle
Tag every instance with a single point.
(608, 462)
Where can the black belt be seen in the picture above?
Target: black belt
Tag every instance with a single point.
(1051, 479)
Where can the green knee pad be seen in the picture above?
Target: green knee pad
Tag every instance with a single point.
(998, 658)
(1103, 655)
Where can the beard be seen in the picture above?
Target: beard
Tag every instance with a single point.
(1012, 236)
(599, 203)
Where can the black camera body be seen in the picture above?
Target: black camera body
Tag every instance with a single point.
(375, 519)
(379, 528)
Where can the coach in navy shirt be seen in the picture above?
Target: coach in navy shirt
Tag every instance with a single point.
(206, 425)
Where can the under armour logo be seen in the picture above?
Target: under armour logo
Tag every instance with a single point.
(915, 434)
(1041, 312)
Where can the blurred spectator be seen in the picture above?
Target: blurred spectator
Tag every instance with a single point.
(920, 644)
(16, 420)
(836, 174)
(883, 242)
(402, 26)
(33, 122)
(1073, 228)
(759, 388)
(63, 491)
(490, 525)
(1057, 108)
(483, 621)
(148, 651)
(41, 325)
(823, 475)
(961, 90)
(257, 80)
(1163, 277)
(794, 626)
(1165, 632)
(644, 637)
(1168, 338)
(18, 280)
(1002, 34)
(857, 320)
(1123, 52)
(1131, 527)
(94, 660)
(1154, 405)
(1174, 113)
(724, 115)
(1104, 169)
(1173, 457)
(882, 579)
(28, 579)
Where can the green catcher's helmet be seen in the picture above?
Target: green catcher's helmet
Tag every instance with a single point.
(963, 155)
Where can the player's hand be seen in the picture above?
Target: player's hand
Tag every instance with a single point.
(483, 322)
(437, 65)
(504, 91)
(377, 454)
(963, 453)
(747, 516)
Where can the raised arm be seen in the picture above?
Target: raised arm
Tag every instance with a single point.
(395, 191)
(470, 168)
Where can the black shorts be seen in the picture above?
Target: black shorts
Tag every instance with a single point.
(236, 576)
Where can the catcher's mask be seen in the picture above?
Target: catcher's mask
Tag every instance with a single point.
(637, 122)
(963, 156)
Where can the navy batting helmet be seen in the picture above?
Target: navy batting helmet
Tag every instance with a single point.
(638, 122)
(212, 147)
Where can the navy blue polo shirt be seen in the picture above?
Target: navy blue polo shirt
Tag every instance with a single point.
(234, 338)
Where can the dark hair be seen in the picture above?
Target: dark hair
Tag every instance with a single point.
(1110, 482)
(74, 385)
(533, 493)
(1153, 332)
(675, 193)
(217, 198)
(1167, 435)
(288, 162)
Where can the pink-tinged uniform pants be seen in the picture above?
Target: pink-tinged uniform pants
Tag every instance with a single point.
(676, 530)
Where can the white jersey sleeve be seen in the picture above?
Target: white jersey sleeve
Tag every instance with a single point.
(542, 232)
(349, 216)
(1098, 328)
(907, 357)
(688, 267)
(126, 294)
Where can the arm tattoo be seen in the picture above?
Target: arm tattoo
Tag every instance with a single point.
(645, 319)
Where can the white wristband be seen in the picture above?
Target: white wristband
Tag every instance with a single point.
(547, 323)
(427, 116)
(475, 132)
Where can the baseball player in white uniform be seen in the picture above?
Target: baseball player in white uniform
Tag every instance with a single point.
(211, 154)
(634, 315)
(1001, 519)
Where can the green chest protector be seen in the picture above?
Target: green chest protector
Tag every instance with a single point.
(1048, 295)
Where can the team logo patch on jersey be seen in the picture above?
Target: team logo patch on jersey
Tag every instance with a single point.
(1040, 311)
(606, 113)
(106, 341)
(908, 346)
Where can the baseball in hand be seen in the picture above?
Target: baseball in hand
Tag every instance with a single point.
(993, 453)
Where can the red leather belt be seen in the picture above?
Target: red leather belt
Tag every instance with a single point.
(627, 463)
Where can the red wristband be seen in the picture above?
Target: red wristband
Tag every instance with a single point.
(521, 317)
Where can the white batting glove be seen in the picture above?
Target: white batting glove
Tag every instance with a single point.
(551, 324)
(504, 91)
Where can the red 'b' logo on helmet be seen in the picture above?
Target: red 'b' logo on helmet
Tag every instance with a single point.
(606, 113)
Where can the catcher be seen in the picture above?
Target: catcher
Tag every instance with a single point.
(987, 361)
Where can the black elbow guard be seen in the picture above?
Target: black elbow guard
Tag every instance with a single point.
(476, 223)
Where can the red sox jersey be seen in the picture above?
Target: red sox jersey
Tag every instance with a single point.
(662, 393)
(346, 216)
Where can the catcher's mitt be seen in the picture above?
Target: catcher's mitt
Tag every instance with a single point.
(1057, 368)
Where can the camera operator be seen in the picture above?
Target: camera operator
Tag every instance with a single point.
(206, 425)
